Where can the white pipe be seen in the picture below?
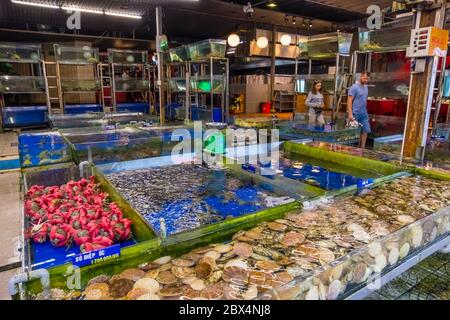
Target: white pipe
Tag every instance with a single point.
(81, 166)
(28, 276)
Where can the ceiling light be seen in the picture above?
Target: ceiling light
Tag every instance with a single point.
(35, 4)
(310, 24)
(233, 40)
(285, 40)
(293, 20)
(82, 10)
(262, 42)
(124, 15)
(304, 23)
(272, 4)
(286, 19)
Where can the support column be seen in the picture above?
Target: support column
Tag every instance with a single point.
(421, 91)
(273, 66)
(160, 65)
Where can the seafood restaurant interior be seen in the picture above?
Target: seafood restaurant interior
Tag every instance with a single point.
(224, 150)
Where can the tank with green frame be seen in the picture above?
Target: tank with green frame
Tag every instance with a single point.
(301, 128)
(151, 250)
(45, 255)
(112, 144)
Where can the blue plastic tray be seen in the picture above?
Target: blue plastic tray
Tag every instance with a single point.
(83, 108)
(20, 116)
(133, 107)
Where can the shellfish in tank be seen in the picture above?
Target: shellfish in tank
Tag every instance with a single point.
(97, 291)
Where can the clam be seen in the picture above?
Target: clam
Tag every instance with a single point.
(405, 219)
(135, 293)
(257, 277)
(251, 293)
(198, 285)
(171, 291)
(380, 263)
(275, 226)
(236, 263)
(182, 272)
(97, 291)
(211, 254)
(189, 280)
(148, 266)
(235, 275)
(416, 236)
(292, 238)
(166, 267)
(359, 272)
(374, 249)
(312, 294)
(205, 267)
(152, 274)
(98, 279)
(223, 248)
(213, 291)
(254, 235)
(151, 285)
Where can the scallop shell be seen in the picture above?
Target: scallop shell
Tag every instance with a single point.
(163, 260)
(404, 250)
(312, 294)
(251, 293)
(132, 274)
(213, 292)
(236, 263)
(192, 256)
(292, 238)
(183, 262)
(205, 267)
(148, 296)
(171, 291)
(223, 248)
(98, 279)
(212, 254)
(405, 219)
(235, 275)
(325, 255)
(380, 263)
(151, 285)
(97, 291)
(375, 249)
(119, 287)
(148, 266)
(257, 277)
(275, 226)
(267, 266)
(334, 290)
(188, 280)
(416, 236)
(243, 250)
(152, 274)
(166, 267)
(182, 272)
(252, 234)
(285, 261)
(166, 277)
(198, 285)
(136, 293)
(359, 272)
(393, 256)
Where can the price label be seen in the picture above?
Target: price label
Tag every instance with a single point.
(97, 256)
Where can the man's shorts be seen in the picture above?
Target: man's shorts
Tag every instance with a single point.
(363, 119)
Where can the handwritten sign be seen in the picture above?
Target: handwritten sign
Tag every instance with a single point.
(97, 256)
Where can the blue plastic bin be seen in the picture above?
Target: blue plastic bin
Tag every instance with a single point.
(134, 107)
(217, 114)
(82, 108)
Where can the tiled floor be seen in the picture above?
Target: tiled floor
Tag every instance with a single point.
(429, 280)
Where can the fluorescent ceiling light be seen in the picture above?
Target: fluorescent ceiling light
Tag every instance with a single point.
(35, 4)
(82, 10)
(123, 15)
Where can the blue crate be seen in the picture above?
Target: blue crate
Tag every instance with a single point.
(21, 116)
(134, 107)
(82, 108)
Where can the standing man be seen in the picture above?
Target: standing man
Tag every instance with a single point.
(357, 106)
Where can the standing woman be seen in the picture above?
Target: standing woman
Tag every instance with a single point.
(315, 103)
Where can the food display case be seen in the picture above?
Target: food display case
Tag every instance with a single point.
(326, 46)
(22, 74)
(385, 39)
(59, 246)
(179, 54)
(127, 56)
(76, 55)
(206, 49)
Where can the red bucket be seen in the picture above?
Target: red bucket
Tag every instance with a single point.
(265, 107)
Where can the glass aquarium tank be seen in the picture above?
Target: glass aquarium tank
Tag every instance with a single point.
(124, 85)
(178, 85)
(43, 148)
(63, 121)
(446, 90)
(104, 145)
(203, 84)
(48, 241)
(76, 55)
(179, 54)
(20, 53)
(206, 49)
(325, 46)
(127, 56)
(74, 85)
(388, 84)
(21, 84)
(303, 83)
(183, 197)
(385, 39)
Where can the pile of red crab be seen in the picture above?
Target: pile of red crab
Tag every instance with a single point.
(78, 212)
